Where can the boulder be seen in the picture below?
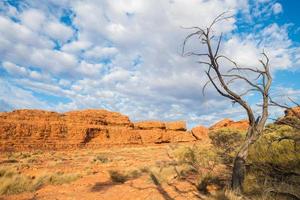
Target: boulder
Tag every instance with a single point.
(148, 125)
(176, 126)
(177, 136)
(200, 133)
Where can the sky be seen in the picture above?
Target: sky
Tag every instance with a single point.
(125, 55)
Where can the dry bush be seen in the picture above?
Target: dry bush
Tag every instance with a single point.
(227, 141)
(122, 177)
(198, 156)
(101, 159)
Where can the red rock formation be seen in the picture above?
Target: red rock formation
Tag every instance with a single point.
(200, 133)
(163, 132)
(176, 126)
(293, 112)
(149, 125)
(37, 129)
(228, 123)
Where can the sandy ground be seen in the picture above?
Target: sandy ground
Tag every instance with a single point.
(95, 181)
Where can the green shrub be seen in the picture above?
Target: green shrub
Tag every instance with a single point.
(269, 150)
(272, 161)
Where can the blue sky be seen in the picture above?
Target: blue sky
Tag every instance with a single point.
(124, 55)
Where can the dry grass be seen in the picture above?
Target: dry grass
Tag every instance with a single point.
(12, 182)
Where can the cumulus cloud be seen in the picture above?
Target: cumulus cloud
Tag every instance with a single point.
(277, 8)
(125, 55)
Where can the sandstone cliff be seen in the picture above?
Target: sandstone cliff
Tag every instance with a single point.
(37, 129)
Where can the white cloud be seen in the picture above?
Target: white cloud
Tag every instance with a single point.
(58, 31)
(33, 19)
(125, 55)
(18, 98)
(277, 8)
(13, 69)
(100, 53)
(89, 70)
(75, 47)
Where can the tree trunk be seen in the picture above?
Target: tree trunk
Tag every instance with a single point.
(238, 174)
(239, 164)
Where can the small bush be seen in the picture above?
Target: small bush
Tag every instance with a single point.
(198, 156)
(101, 159)
(117, 177)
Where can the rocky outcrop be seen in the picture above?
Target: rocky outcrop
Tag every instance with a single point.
(163, 132)
(149, 125)
(293, 112)
(176, 126)
(228, 123)
(291, 117)
(200, 133)
(37, 129)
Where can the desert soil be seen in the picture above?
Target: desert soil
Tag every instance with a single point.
(95, 181)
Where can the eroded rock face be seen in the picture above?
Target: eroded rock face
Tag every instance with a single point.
(37, 129)
(228, 123)
(200, 133)
(163, 132)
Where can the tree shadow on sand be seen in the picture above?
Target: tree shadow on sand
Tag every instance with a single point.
(102, 186)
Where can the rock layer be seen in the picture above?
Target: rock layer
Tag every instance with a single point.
(37, 129)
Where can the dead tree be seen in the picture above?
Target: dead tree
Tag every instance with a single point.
(223, 84)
